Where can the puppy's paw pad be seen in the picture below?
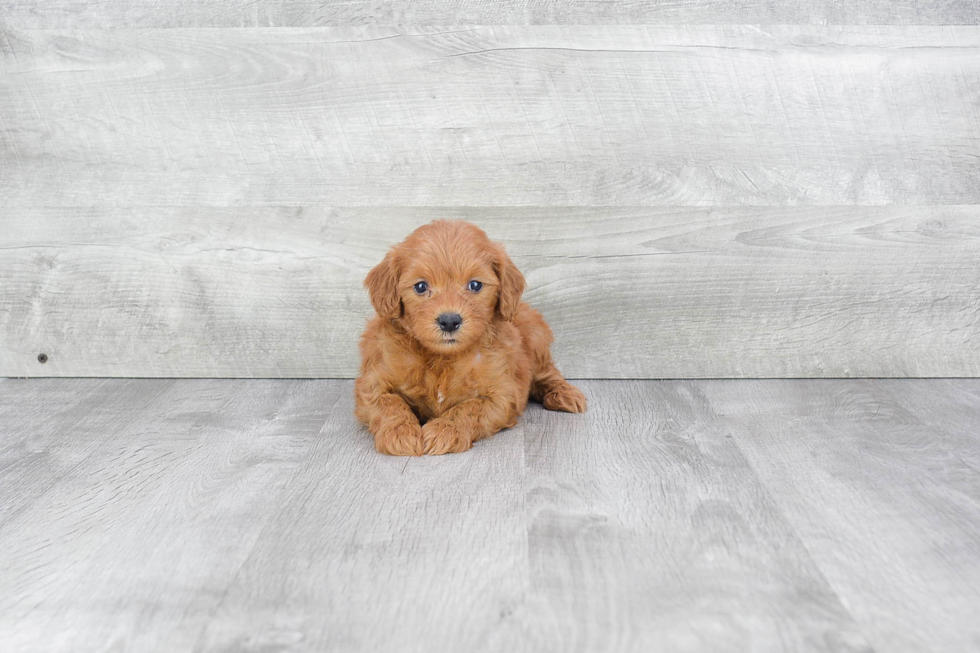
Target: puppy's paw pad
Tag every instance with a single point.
(400, 440)
(441, 436)
(566, 398)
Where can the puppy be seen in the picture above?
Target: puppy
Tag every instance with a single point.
(453, 354)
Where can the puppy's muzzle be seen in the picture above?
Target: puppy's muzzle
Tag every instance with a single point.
(449, 322)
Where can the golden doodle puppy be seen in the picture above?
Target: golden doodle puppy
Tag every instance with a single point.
(453, 354)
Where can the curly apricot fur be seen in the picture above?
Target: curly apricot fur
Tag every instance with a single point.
(422, 390)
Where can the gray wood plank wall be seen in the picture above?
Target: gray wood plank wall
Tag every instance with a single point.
(635, 292)
(686, 200)
(303, 13)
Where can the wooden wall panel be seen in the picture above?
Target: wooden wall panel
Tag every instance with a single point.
(491, 116)
(687, 200)
(305, 13)
(630, 292)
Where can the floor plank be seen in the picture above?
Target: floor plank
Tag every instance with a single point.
(223, 515)
(374, 553)
(881, 480)
(51, 429)
(133, 548)
(649, 531)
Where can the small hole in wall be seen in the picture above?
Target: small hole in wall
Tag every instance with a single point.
(42, 358)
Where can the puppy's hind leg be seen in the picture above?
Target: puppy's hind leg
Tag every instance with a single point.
(548, 386)
(554, 392)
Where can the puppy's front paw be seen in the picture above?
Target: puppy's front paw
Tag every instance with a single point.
(565, 397)
(441, 436)
(401, 439)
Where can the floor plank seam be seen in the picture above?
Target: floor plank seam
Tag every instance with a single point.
(784, 516)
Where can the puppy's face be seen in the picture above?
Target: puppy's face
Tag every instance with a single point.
(448, 303)
(446, 281)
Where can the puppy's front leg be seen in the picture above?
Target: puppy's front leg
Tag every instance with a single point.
(459, 427)
(395, 427)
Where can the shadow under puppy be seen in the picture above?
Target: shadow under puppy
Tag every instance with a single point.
(454, 354)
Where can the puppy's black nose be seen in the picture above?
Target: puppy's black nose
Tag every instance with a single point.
(449, 322)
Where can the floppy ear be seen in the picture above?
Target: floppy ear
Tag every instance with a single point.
(511, 284)
(382, 285)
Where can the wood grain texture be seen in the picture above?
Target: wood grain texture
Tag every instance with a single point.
(880, 480)
(492, 116)
(631, 292)
(144, 504)
(50, 430)
(648, 531)
(298, 13)
(228, 515)
(375, 553)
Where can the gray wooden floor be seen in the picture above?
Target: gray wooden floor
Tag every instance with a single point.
(247, 515)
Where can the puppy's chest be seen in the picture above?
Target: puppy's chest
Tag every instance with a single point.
(432, 391)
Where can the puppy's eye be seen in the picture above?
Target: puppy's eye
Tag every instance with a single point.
(421, 287)
(475, 286)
